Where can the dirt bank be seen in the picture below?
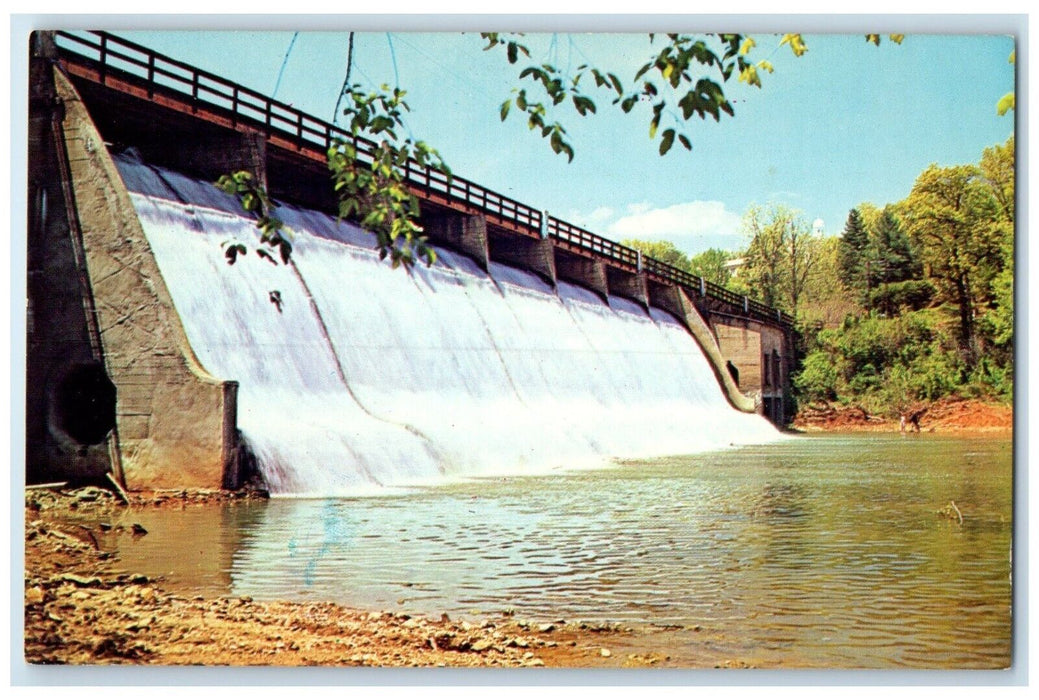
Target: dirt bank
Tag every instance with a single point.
(81, 607)
(949, 415)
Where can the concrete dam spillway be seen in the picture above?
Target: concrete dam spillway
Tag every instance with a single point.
(355, 377)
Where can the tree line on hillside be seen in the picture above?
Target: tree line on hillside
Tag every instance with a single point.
(913, 302)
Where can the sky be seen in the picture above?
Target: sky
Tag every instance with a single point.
(846, 123)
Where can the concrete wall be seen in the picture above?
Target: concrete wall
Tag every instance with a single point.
(175, 423)
(58, 337)
(763, 357)
(677, 302)
(740, 343)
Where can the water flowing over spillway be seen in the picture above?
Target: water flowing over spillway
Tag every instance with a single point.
(368, 377)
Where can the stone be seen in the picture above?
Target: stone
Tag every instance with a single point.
(82, 581)
(34, 596)
(604, 652)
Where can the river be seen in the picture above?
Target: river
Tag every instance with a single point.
(837, 551)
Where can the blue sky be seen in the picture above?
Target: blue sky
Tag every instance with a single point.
(846, 123)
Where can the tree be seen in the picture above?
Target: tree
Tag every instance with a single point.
(952, 215)
(894, 281)
(825, 303)
(869, 215)
(997, 167)
(710, 264)
(854, 252)
(896, 260)
(781, 256)
(664, 251)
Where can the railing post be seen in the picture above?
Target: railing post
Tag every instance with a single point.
(151, 75)
(746, 305)
(544, 224)
(103, 57)
(703, 287)
(638, 261)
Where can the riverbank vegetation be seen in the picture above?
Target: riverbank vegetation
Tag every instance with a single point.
(913, 303)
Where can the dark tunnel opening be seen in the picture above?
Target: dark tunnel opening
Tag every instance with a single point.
(84, 403)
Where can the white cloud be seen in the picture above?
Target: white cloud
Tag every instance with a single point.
(692, 226)
(679, 221)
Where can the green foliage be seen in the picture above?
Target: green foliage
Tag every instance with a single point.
(818, 378)
(884, 364)
(875, 38)
(895, 259)
(1008, 102)
(664, 251)
(680, 81)
(375, 194)
(710, 264)
(371, 190)
(892, 298)
(781, 256)
(854, 252)
(254, 200)
(955, 220)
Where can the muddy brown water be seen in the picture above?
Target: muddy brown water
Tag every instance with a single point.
(832, 551)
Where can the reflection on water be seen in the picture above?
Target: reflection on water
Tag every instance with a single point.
(819, 552)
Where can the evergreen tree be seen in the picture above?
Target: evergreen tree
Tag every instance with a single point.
(896, 259)
(854, 252)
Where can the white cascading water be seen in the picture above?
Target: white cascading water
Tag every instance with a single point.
(369, 377)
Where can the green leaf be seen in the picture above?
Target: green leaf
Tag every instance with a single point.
(797, 44)
(583, 105)
(1006, 103)
(749, 75)
(685, 142)
(667, 140)
(505, 106)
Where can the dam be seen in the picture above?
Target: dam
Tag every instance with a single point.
(530, 345)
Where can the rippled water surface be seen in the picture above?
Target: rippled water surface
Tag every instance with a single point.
(821, 551)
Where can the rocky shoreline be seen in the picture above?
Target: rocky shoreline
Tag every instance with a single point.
(82, 608)
(950, 415)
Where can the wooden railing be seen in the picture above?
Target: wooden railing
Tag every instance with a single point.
(112, 56)
(586, 240)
